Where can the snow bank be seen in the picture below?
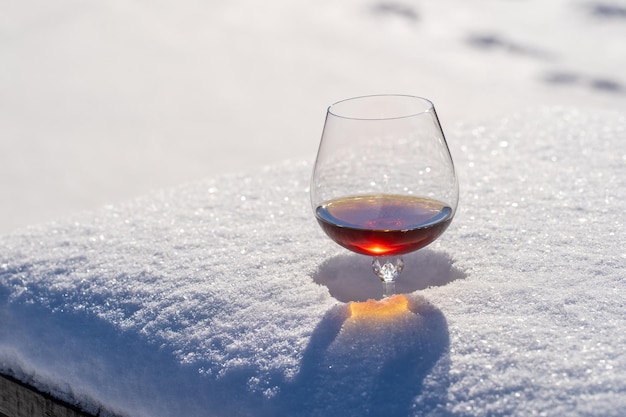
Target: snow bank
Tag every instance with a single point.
(222, 297)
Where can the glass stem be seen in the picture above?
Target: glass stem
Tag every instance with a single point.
(389, 289)
(387, 268)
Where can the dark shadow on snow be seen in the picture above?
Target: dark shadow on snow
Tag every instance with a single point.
(357, 367)
(600, 84)
(489, 41)
(607, 10)
(392, 8)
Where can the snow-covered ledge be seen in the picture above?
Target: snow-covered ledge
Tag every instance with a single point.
(223, 297)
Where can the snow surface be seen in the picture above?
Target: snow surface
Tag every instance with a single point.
(102, 101)
(222, 297)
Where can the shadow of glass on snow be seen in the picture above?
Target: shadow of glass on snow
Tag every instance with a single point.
(373, 363)
(349, 277)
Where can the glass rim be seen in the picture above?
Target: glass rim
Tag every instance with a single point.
(429, 106)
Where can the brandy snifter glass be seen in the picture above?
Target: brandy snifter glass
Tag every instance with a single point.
(383, 183)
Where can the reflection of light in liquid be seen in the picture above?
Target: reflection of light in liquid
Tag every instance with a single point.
(387, 308)
(376, 249)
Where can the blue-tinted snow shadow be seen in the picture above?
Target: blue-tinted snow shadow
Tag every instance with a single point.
(490, 41)
(372, 368)
(606, 10)
(118, 366)
(576, 79)
(348, 367)
(349, 277)
(345, 369)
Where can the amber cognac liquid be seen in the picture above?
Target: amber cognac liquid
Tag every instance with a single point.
(383, 224)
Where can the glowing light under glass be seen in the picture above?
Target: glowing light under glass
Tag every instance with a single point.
(384, 309)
